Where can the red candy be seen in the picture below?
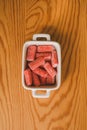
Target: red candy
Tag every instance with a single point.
(46, 55)
(43, 80)
(28, 76)
(31, 53)
(50, 80)
(40, 72)
(36, 63)
(50, 69)
(36, 80)
(45, 48)
(54, 59)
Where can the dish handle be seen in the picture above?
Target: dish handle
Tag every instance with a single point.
(47, 36)
(46, 95)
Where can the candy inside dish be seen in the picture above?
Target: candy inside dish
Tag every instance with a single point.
(41, 65)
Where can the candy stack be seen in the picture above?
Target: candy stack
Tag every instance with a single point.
(42, 62)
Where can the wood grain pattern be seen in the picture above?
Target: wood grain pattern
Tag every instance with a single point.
(66, 22)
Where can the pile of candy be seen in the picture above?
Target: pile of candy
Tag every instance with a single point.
(42, 64)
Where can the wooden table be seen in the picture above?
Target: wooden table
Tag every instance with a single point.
(66, 22)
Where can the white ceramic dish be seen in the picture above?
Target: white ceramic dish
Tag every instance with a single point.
(58, 76)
